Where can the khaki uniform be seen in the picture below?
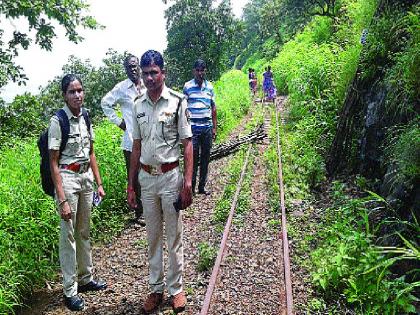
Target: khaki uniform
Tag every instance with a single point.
(160, 129)
(74, 246)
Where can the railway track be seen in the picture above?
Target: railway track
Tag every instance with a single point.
(284, 305)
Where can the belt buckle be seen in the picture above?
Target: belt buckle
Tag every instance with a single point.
(155, 170)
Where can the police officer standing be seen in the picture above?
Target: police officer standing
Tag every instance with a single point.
(124, 94)
(160, 123)
(74, 171)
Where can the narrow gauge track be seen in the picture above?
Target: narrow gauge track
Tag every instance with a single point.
(285, 293)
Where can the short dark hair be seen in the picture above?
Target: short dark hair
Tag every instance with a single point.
(151, 57)
(67, 79)
(127, 59)
(199, 64)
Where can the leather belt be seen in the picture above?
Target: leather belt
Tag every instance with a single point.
(159, 169)
(76, 167)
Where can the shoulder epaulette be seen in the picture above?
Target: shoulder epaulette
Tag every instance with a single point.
(180, 96)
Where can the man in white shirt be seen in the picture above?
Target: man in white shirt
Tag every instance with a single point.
(124, 94)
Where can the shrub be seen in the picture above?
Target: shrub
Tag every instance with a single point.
(21, 119)
(206, 256)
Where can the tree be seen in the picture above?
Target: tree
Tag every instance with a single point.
(269, 24)
(96, 83)
(198, 29)
(40, 15)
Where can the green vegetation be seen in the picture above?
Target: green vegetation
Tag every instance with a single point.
(404, 152)
(206, 256)
(29, 222)
(314, 50)
(315, 69)
(199, 29)
(346, 261)
(234, 168)
(232, 99)
(271, 159)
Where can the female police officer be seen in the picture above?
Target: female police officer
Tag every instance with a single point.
(73, 171)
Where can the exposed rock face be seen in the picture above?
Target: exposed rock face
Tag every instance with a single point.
(366, 121)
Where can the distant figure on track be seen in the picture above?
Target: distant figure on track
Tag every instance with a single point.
(124, 94)
(202, 107)
(270, 91)
(161, 123)
(252, 81)
(74, 172)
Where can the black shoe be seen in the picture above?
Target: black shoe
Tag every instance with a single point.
(92, 286)
(140, 220)
(74, 303)
(204, 192)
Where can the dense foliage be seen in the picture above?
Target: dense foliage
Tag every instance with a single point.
(314, 49)
(28, 216)
(41, 16)
(198, 29)
(96, 82)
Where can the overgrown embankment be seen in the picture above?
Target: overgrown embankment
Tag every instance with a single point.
(29, 224)
(316, 69)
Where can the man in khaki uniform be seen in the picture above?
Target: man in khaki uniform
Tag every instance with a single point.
(160, 122)
(73, 172)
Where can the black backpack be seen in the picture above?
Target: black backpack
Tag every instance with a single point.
(46, 179)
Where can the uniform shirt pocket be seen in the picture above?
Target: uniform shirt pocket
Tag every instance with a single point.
(169, 127)
(74, 145)
(144, 126)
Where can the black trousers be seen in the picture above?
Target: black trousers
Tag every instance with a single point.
(202, 142)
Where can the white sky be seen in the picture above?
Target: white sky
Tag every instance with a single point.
(132, 25)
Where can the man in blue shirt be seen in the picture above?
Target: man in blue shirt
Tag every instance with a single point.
(201, 105)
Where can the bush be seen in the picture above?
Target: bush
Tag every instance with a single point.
(347, 262)
(21, 119)
(206, 256)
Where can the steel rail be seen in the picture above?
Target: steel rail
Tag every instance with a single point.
(286, 258)
(216, 267)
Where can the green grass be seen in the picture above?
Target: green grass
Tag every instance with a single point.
(232, 100)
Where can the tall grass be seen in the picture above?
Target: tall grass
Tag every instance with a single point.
(232, 99)
(29, 223)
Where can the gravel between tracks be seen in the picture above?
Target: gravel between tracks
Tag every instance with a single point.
(251, 276)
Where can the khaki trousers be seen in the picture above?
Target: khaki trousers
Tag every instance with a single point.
(74, 247)
(158, 193)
